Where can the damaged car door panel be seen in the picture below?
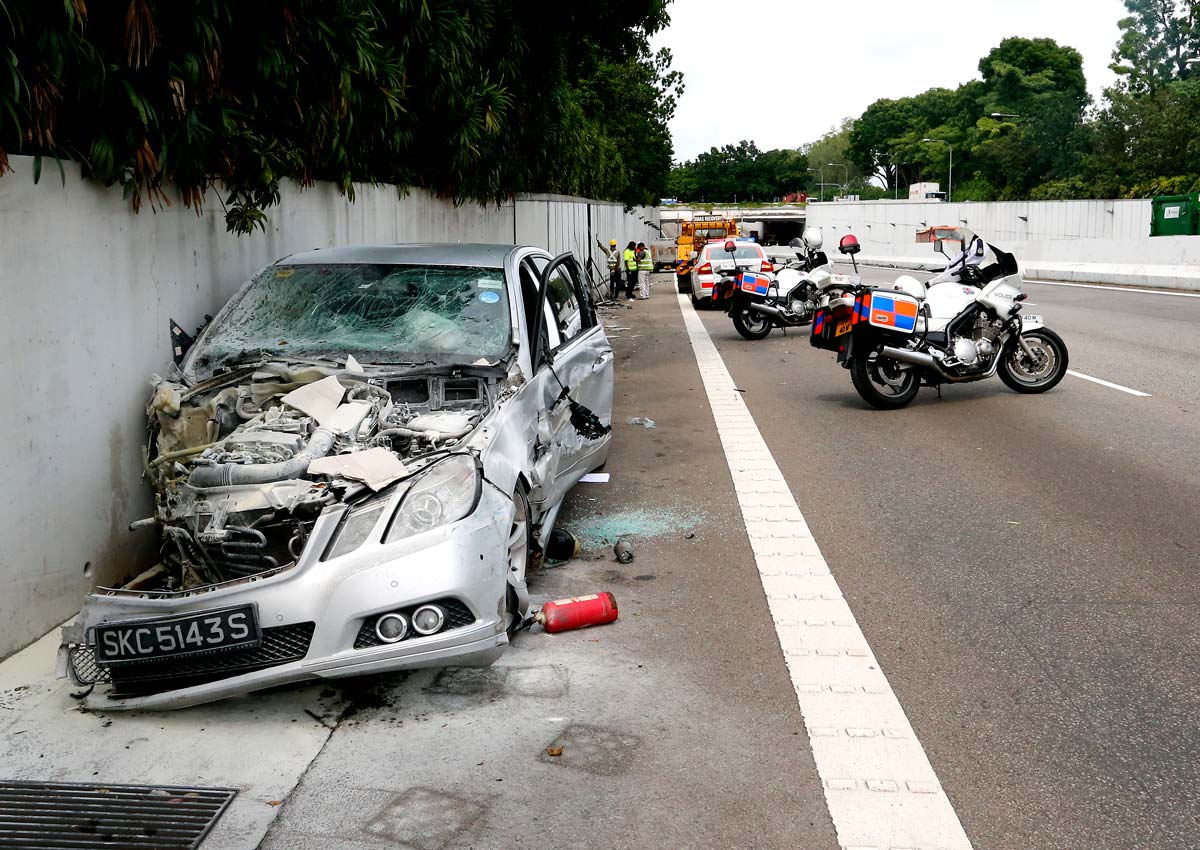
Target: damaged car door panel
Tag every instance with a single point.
(341, 465)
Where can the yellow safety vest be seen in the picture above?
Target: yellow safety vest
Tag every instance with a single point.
(630, 260)
(645, 264)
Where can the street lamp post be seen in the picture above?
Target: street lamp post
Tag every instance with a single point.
(950, 182)
(821, 185)
(896, 166)
(846, 182)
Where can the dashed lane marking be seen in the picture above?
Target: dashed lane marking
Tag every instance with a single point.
(1108, 384)
(880, 788)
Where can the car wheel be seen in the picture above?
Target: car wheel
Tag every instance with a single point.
(520, 546)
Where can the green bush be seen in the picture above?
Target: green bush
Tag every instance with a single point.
(474, 99)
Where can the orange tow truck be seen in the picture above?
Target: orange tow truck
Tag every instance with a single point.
(694, 234)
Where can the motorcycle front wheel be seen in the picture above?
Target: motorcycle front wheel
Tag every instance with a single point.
(1036, 374)
(884, 383)
(751, 325)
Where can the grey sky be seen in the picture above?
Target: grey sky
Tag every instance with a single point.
(783, 72)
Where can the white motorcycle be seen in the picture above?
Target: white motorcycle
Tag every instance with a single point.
(965, 325)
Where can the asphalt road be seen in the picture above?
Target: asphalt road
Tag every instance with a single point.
(678, 725)
(1024, 567)
(1023, 570)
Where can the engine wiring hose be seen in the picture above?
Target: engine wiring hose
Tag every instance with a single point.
(226, 474)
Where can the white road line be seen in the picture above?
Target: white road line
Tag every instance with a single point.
(879, 786)
(1114, 288)
(1109, 287)
(1108, 384)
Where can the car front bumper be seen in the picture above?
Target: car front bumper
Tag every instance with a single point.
(316, 617)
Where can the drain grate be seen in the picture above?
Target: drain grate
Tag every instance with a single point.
(82, 816)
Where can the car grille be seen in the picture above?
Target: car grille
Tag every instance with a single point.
(280, 645)
(457, 616)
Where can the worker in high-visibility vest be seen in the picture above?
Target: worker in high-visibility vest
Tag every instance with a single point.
(612, 257)
(629, 259)
(645, 264)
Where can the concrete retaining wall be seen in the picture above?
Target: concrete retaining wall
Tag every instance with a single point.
(87, 290)
(1084, 241)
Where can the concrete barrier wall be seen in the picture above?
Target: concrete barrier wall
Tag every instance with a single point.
(1082, 241)
(892, 226)
(86, 292)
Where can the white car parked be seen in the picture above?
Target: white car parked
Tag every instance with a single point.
(713, 259)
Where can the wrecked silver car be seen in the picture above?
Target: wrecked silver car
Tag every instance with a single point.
(354, 467)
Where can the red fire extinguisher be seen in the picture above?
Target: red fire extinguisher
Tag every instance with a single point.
(578, 612)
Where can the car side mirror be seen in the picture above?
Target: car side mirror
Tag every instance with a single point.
(693, 255)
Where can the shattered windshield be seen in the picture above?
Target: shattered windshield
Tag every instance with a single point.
(379, 313)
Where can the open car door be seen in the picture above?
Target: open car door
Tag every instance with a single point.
(578, 386)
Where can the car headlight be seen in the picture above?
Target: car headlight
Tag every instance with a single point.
(354, 529)
(444, 493)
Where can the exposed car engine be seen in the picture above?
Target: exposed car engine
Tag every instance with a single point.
(243, 463)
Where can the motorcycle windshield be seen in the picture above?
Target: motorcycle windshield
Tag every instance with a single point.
(992, 262)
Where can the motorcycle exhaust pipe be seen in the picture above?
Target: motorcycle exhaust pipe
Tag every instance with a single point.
(919, 358)
(916, 358)
(767, 310)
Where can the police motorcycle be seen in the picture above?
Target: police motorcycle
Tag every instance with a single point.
(965, 325)
(754, 300)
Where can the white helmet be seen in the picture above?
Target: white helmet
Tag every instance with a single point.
(813, 238)
(909, 285)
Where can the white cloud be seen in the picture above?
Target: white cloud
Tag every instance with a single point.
(783, 73)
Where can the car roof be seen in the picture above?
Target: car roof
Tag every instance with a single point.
(721, 246)
(475, 254)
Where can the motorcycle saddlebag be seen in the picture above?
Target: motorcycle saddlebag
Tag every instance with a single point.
(888, 310)
(830, 326)
(754, 283)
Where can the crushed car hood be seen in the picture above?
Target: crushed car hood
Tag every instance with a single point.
(244, 462)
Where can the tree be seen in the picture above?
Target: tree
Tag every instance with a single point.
(785, 172)
(1158, 38)
(474, 99)
(1148, 145)
(1037, 83)
(834, 147)
(1042, 84)
(873, 137)
(739, 172)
